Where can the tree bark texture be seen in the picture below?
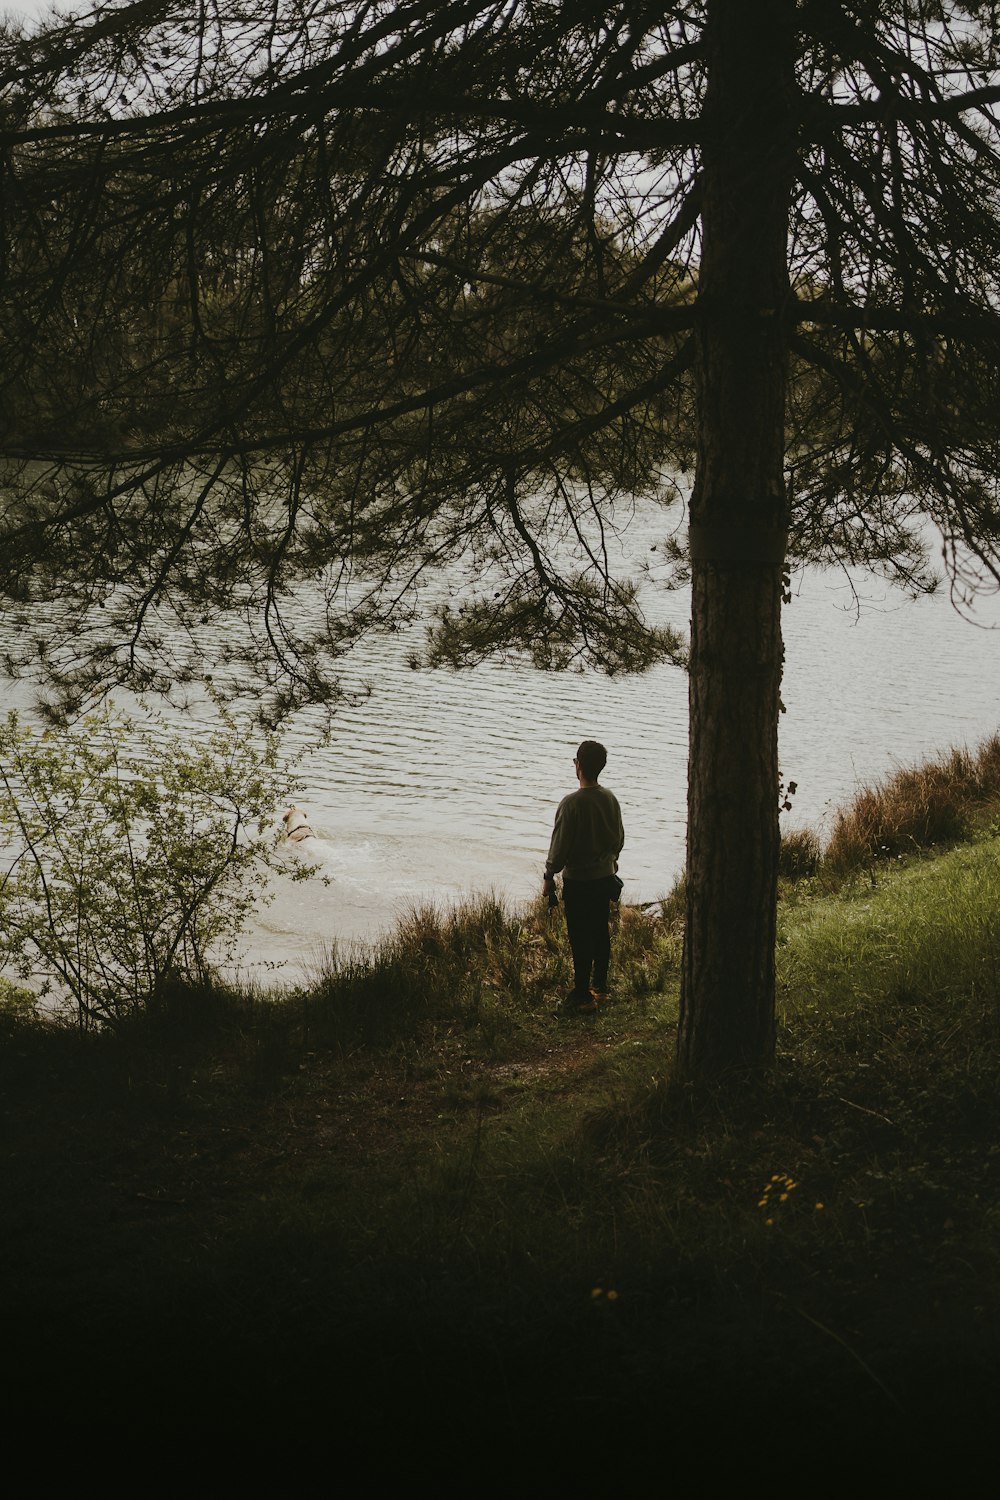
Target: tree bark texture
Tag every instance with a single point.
(738, 521)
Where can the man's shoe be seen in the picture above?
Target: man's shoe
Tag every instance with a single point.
(580, 1003)
(599, 997)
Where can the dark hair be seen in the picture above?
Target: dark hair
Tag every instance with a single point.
(591, 758)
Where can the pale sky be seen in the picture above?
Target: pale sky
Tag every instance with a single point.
(33, 9)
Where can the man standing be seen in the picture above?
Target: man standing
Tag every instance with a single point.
(586, 841)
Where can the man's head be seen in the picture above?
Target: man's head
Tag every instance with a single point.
(591, 758)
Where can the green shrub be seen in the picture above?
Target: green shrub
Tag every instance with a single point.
(799, 855)
(131, 855)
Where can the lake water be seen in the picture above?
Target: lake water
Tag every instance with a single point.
(443, 783)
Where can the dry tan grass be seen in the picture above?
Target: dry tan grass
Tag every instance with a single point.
(916, 807)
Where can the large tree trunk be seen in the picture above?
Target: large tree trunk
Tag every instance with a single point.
(738, 519)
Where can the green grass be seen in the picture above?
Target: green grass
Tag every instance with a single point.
(415, 1197)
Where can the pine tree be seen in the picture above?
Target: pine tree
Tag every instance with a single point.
(365, 289)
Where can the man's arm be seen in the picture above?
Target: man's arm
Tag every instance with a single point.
(558, 846)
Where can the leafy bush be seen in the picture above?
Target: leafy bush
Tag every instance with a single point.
(131, 855)
(799, 854)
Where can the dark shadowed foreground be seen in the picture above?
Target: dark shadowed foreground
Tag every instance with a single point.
(414, 1214)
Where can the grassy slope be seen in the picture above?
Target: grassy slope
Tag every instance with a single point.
(420, 1201)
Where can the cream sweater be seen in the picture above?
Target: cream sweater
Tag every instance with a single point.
(588, 835)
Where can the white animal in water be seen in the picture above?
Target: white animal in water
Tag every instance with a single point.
(296, 821)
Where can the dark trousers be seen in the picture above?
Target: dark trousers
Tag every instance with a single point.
(587, 904)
